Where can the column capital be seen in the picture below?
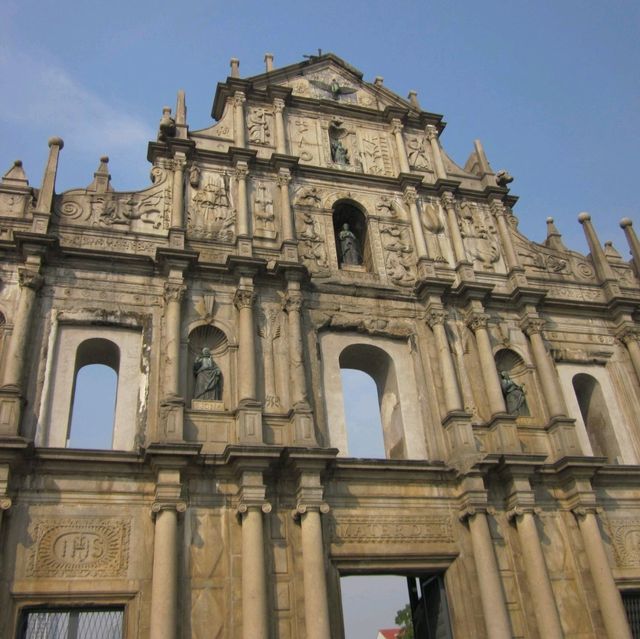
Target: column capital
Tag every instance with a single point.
(284, 177)
(476, 320)
(278, 105)
(435, 316)
(581, 511)
(396, 126)
(447, 200)
(174, 291)
(468, 511)
(517, 512)
(244, 298)
(243, 507)
(241, 170)
(628, 334)
(239, 98)
(178, 505)
(5, 503)
(497, 208)
(531, 325)
(303, 507)
(293, 301)
(29, 278)
(410, 195)
(431, 132)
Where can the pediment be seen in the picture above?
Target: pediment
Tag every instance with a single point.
(331, 79)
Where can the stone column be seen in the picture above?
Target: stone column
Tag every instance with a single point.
(477, 322)
(293, 307)
(432, 135)
(533, 328)
(173, 294)
(316, 603)
(30, 281)
(243, 301)
(632, 239)
(609, 599)
(510, 255)
(164, 583)
(177, 211)
(448, 202)
(288, 225)
(630, 337)
(452, 397)
(396, 129)
(5, 500)
(242, 221)
(494, 607)
(410, 197)
(278, 110)
(540, 589)
(42, 213)
(238, 119)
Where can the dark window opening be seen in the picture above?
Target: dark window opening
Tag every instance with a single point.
(631, 601)
(72, 623)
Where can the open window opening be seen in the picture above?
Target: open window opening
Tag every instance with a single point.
(595, 416)
(395, 607)
(350, 231)
(72, 623)
(94, 395)
(372, 428)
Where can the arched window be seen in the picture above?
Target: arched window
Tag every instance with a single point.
(595, 416)
(350, 231)
(94, 395)
(379, 366)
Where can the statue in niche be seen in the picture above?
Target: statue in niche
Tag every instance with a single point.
(514, 396)
(337, 133)
(208, 377)
(350, 252)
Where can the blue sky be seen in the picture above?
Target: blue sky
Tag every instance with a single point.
(551, 88)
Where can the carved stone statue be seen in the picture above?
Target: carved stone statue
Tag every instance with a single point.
(513, 395)
(339, 154)
(350, 252)
(208, 377)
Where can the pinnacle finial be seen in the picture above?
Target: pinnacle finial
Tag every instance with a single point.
(268, 62)
(235, 67)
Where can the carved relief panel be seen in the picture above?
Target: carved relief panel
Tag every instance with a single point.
(264, 217)
(147, 211)
(211, 212)
(479, 236)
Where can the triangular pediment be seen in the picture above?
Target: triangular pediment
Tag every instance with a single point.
(330, 78)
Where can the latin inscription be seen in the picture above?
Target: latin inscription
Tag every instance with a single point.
(392, 529)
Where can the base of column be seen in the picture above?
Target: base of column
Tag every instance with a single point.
(465, 272)
(172, 419)
(11, 404)
(244, 246)
(563, 438)
(303, 428)
(290, 251)
(463, 452)
(426, 268)
(249, 422)
(503, 434)
(176, 238)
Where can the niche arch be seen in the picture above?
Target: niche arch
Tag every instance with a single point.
(350, 217)
(383, 359)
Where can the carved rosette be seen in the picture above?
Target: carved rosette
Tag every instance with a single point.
(244, 298)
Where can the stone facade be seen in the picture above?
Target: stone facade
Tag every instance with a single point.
(234, 513)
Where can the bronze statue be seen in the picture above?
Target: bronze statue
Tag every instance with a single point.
(208, 377)
(349, 246)
(339, 154)
(513, 395)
